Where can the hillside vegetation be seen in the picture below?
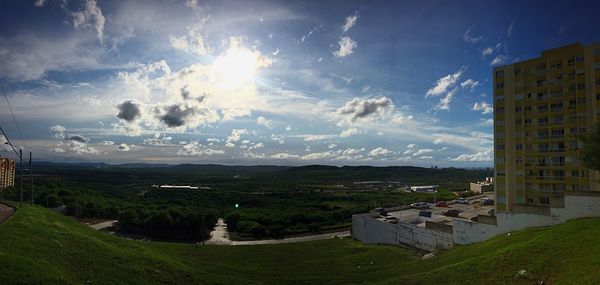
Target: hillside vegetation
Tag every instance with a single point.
(41, 246)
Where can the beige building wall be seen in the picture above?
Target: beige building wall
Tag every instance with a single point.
(541, 107)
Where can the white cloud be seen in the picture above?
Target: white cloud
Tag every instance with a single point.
(444, 103)
(445, 83)
(262, 121)
(346, 47)
(469, 84)
(411, 146)
(313, 138)
(332, 146)
(108, 142)
(422, 151)
(498, 60)
(350, 22)
(193, 42)
(483, 107)
(58, 150)
(471, 39)
(438, 141)
(277, 138)
(349, 132)
(158, 140)
(39, 3)
(284, 155)
(379, 152)
(510, 29)
(195, 148)
(475, 157)
(123, 147)
(92, 17)
(487, 51)
(288, 128)
(319, 155)
(235, 136)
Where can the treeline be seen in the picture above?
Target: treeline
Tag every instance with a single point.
(161, 222)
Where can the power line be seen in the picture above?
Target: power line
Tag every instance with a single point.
(14, 119)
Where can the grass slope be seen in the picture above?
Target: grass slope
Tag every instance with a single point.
(41, 246)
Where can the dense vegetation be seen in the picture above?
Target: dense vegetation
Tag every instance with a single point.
(43, 247)
(590, 149)
(273, 201)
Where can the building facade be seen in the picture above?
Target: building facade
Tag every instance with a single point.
(7, 172)
(541, 107)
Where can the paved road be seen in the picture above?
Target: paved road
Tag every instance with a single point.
(220, 236)
(5, 212)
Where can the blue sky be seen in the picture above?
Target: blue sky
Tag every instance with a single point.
(268, 82)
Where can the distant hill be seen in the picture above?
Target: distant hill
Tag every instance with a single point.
(39, 246)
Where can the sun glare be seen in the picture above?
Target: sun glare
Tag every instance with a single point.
(237, 66)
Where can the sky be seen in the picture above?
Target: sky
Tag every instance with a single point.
(268, 82)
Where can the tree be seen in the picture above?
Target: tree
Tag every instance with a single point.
(590, 150)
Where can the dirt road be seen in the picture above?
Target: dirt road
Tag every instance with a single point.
(220, 236)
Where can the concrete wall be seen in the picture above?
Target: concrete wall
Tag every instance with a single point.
(368, 229)
(576, 206)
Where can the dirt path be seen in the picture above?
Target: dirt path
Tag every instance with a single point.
(220, 236)
(103, 225)
(5, 212)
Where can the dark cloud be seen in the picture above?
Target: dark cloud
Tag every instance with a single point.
(77, 138)
(184, 92)
(175, 116)
(361, 108)
(128, 111)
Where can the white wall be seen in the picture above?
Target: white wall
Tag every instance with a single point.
(370, 230)
(465, 232)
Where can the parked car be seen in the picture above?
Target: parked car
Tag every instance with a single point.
(441, 204)
(462, 201)
(381, 211)
(487, 202)
(419, 205)
(426, 214)
(452, 213)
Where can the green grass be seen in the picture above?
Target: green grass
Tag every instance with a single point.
(41, 246)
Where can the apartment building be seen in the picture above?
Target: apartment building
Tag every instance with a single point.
(7, 172)
(541, 108)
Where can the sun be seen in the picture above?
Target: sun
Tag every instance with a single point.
(238, 66)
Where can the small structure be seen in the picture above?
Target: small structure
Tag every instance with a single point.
(483, 186)
(425, 189)
(184, 187)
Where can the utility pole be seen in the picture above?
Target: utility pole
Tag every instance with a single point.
(31, 177)
(21, 163)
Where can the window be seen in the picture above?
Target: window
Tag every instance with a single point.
(579, 58)
(500, 85)
(518, 109)
(500, 73)
(544, 200)
(499, 110)
(542, 108)
(519, 147)
(528, 108)
(500, 147)
(580, 86)
(597, 52)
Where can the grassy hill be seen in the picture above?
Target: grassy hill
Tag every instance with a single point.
(41, 246)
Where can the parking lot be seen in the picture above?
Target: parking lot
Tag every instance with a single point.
(466, 211)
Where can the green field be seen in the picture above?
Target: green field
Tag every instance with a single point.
(41, 246)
